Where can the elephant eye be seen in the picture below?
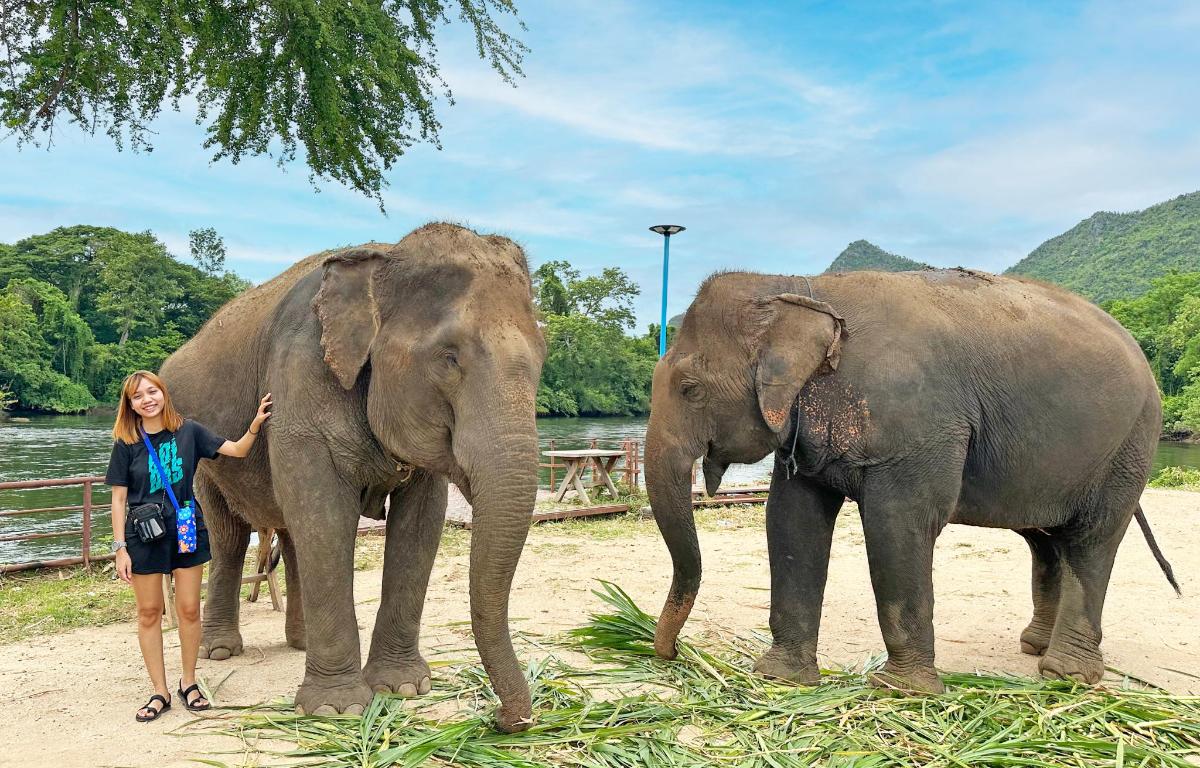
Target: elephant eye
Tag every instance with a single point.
(692, 390)
(450, 356)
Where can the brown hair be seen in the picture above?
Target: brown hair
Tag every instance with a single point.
(128, 422)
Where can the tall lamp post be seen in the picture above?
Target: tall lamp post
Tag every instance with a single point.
(666, 230)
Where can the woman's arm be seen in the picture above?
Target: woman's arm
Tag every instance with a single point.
(241, 448)
(119, 495)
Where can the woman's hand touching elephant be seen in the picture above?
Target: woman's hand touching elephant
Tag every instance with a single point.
(262, 415)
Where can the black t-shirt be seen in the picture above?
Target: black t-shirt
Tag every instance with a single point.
(130, 465)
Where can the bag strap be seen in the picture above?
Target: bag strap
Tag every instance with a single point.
(162, 474)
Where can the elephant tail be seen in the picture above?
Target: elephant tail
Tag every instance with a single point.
(1144, 524)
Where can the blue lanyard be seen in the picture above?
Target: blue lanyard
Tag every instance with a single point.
(158, 465)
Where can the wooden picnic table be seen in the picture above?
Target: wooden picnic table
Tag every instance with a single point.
(601, 462)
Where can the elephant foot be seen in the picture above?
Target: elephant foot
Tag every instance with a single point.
(1035, 640)
(347, 695)
(781, 664)
(1082, 668)
(219, 645)
(911, 681)
(407, 678)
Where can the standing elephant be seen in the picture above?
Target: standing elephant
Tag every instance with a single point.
(394, 368)
(944, 396)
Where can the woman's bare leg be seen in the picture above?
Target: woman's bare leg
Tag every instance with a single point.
(148, 593)
(187, 608)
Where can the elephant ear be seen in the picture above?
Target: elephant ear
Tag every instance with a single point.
(802, 337)
(346, 306)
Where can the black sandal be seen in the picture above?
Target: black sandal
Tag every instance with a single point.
(156, 710)
(190, 703)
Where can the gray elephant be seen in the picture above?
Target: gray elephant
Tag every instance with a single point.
(935, 397)
(394, 368)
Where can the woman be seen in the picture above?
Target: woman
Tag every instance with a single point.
(145, 417)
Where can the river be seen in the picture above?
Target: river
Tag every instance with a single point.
(67, 446)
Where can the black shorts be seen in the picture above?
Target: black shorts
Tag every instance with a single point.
(163, 555)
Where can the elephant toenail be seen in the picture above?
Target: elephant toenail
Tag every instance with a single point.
(425, 685)
(325, 710)
(407, 689)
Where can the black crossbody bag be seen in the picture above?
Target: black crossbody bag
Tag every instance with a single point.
(148, 522)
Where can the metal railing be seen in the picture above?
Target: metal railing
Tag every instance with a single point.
(85, 557)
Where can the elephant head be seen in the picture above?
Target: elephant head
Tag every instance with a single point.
(439, 333)
(724, 392)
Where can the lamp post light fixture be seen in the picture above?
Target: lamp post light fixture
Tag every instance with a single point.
(666, 230)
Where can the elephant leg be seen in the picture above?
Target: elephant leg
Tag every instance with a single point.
(1047, 572)
(800, 521)
(321, 515)
(228, 537)
(1074, 649)
(901, 522)
(294, 624)
(414, 530)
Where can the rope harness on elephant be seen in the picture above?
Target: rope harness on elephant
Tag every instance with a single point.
(790, 465)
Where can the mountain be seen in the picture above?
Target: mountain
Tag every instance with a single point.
(861, 255)
(1116, 255)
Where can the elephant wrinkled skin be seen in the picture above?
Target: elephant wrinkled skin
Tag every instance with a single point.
(394, 369)
(928, 398)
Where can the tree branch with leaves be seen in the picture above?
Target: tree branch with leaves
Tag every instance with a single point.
(351, 83)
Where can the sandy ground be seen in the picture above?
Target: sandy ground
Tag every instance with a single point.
(69, 700)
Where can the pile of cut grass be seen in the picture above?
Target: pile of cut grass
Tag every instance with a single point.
(709, 709)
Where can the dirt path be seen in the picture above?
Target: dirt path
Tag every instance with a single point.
(69, 700)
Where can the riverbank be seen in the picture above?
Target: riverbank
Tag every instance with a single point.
(69, 698)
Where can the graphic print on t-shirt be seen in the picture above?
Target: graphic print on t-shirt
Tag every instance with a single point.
(168, 454)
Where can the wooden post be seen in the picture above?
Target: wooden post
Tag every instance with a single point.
(637, 463)
(552, 486)
(168, 588)
(87, 525)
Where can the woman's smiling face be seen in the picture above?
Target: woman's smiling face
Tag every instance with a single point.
(147, 401)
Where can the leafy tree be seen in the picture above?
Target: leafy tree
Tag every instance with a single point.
(24, 362)
(62, 328)
(136, 288)
(1166, 323)
(353, 83)
(551, 291)
(208, 250)
(592, 366)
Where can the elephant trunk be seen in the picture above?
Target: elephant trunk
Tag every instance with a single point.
(499, 459)
(669, 482)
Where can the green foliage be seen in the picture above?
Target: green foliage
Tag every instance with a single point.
(82, 306)
(592, 366)
(352, 83)
(862, 255)
(208, 250)
(26, 360)
(1177, 477)
(1165, 320)
(1118, 255)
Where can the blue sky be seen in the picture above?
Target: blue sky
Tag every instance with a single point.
(950, 132)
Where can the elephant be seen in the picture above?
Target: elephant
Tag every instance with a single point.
(931, 397)
(394, 369)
